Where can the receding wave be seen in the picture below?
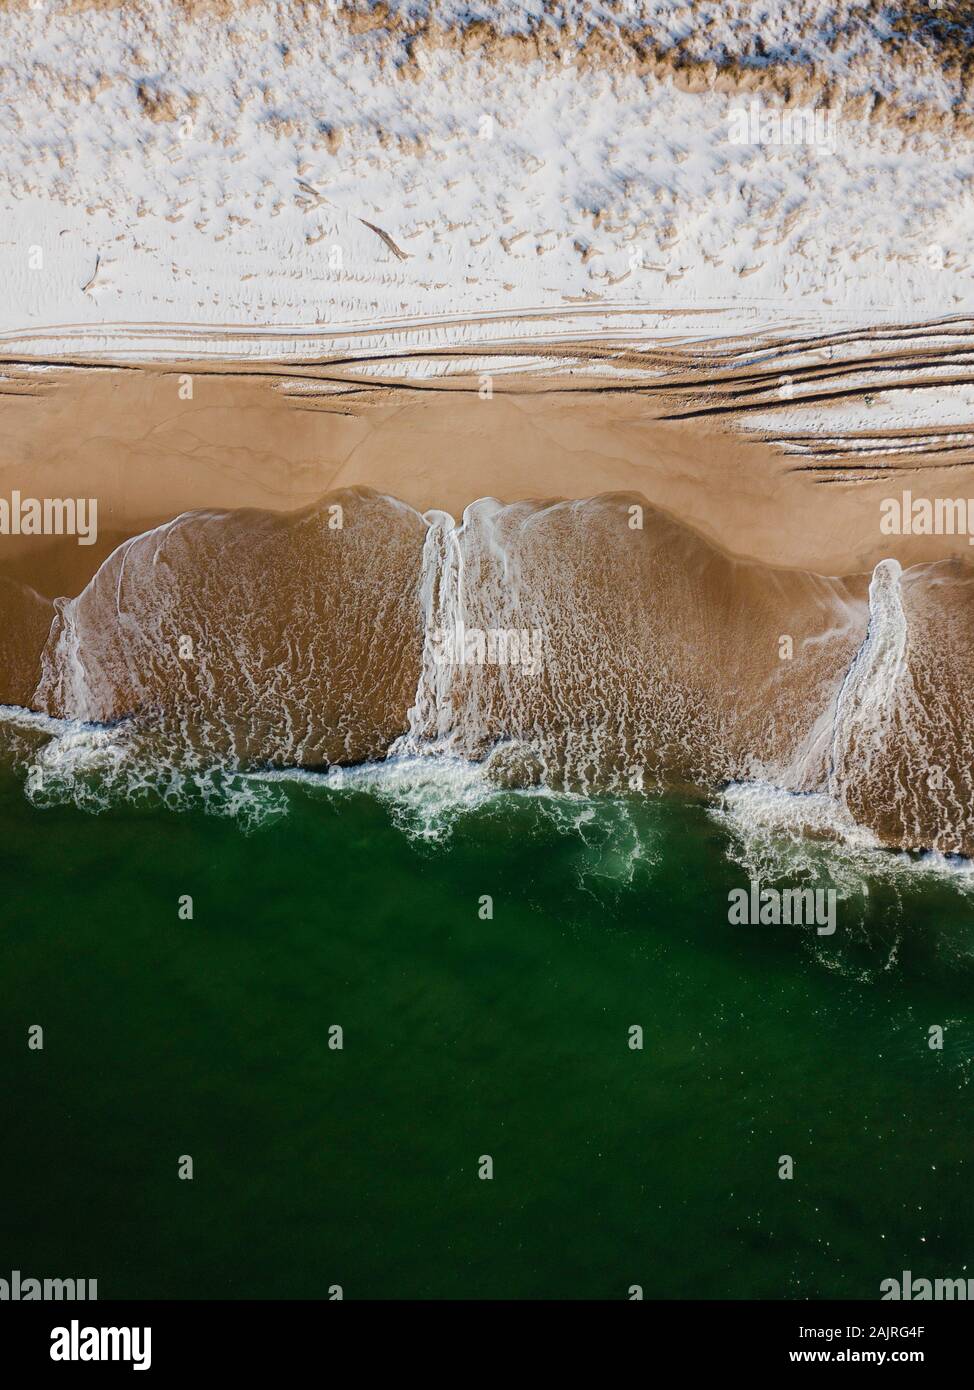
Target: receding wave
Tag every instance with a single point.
(578, 648)
(252, 637)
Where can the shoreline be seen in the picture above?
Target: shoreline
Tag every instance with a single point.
(152, 441)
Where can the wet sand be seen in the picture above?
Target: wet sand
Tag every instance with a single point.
(278, 439)
(701, 618)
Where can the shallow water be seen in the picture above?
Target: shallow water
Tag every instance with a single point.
(588, 647)
(341, 805)
(465, 1037)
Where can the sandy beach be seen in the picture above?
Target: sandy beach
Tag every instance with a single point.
(487, 669)
(655, 358)
(152, 441)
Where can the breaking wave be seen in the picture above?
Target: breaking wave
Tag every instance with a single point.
(564, 649)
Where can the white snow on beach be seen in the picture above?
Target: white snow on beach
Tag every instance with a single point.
(277, 180)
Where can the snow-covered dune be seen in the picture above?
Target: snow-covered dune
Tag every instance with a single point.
(273, 179)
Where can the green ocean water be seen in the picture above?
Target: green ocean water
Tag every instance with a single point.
(465, 1037)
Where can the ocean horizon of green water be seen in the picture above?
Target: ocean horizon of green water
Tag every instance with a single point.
(466, 1035)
